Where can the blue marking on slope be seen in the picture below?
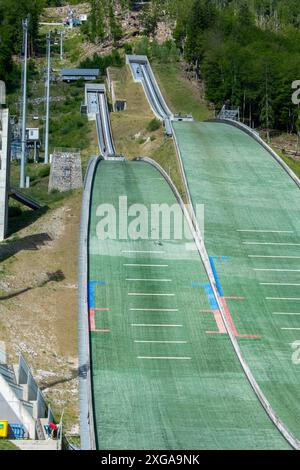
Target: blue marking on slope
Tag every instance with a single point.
(91, 292)
(209, 292)
(212, 264)
(211, 297)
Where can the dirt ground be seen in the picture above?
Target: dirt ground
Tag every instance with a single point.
(288, 144)
(38, 304)
(60, 13)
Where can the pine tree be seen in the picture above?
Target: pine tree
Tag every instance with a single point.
(114, 24)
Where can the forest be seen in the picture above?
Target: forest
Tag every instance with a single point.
(246, 52)
(12, 12)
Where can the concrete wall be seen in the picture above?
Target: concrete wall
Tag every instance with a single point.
(118, 104)
(16, 408)
(6, 412)
(4, 170)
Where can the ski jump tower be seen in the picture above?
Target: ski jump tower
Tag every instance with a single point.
(4, 161)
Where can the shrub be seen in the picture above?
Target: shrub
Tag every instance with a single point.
(153, 125)
(44, 171)
(128, 48)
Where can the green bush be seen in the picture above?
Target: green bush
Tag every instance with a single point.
(44, 171)
(128, 48)
(165, 53)
(102, 62)
(153, 125)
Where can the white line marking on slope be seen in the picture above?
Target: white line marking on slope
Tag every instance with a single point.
(282, 298)
(149, 280)
(160, 342)
(156, 325)
(285, 313)
(154, 309)
(266, 231)
(290, 328)
(278, 284)
(143, 251)
(143, 294)
(165, 357)
(271, 243)
(278, 270)
(277, 257)
(148, 265)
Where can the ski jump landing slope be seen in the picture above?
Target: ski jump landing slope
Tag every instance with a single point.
(252, 227)
(155, 373)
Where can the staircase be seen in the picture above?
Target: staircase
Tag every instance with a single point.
(22, 402)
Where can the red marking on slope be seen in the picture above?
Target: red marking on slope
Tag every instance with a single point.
(228, 316)
(93, 322)
(249, 336)
(219, 321)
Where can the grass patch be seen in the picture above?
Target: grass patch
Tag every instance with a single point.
(166, 157)
(7, 445)
(130, 127)
(293, 164)
(181, 95)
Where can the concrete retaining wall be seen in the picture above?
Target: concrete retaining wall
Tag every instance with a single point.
(4, 170)
(87, 426)
(17, 408)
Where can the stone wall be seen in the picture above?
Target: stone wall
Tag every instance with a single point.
(66, 170)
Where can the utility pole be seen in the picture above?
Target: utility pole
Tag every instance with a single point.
(24, 98)
(46, 158)
(61, 46)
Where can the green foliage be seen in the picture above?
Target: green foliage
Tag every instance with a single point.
(246, 51)
(102, 62)
(11, 14)
(95, 26)
(149, 19)
(128, 48)
(114, 24)
(103, 22)
(165, 53)
(154, 125)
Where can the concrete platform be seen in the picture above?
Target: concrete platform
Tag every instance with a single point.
(30, 444)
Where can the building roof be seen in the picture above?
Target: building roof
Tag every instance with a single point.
(79, 72)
